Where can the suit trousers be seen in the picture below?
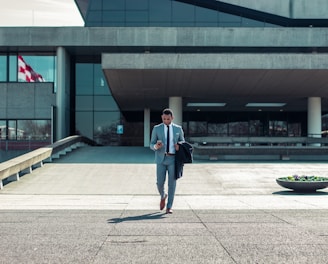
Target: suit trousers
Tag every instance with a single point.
(167, 166)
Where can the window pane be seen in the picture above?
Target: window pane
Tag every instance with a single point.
(277, 128)
(238, 129)
(137, 16)
(294, 130)
(13, 68)
(197, 128)
(12, 129)
(105, 128)
(94, 16)
(137, 4)
(36, 68)
(227, 18)
(34, 129)
(113, 16)
(206, 15)
(104, 103)
(84, 79)
(160, 10)
(84, 103)
(100, 84)
(3, 129)
(217, 129)
(114, 5)
(183, 12)
(84, 124)
(255, 128)
(96, 4)
(3, 68)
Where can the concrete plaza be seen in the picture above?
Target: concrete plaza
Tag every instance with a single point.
(100, 205)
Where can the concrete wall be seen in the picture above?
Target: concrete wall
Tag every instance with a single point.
(101, 38)
(26, 100)
(214, 61)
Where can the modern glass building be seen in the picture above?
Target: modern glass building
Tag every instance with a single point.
(253, 68)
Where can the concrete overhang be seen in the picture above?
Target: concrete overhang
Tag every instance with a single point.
(139, 81)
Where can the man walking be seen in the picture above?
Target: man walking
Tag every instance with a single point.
(164, 141)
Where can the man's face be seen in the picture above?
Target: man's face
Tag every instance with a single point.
(167, 119)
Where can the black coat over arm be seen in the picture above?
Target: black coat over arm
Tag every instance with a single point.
(182, 156)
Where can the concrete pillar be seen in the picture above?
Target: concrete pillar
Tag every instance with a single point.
(314, 117)
(62, 95)
(175, 103)
(146, 127)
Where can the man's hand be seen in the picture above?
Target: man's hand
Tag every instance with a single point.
(176, 147)
(159, 144)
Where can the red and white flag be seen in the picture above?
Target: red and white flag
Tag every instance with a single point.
(26, 73)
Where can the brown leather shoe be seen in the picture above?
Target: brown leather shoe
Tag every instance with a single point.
(169, 211)
(162, 203)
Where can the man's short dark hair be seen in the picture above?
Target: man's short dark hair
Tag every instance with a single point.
(167, 111)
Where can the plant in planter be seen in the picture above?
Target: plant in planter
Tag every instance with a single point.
(303, 183)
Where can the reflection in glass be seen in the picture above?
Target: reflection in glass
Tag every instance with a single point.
(105, 128)
(217, 129)
(197, 128)
(3, 129)
(12, 126)
(238, 129)
(277, 128)
(13, 68)
(3, 68)
(255, 128)
(33, 129)
(163, 13)
(294, 129)
(84, 79)
(41, 65)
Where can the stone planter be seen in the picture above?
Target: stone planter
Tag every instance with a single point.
(303, 186)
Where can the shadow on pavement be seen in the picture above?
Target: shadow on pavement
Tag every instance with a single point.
(291, 192)
(152, 216)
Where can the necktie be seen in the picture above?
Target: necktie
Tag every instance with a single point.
(168, 140)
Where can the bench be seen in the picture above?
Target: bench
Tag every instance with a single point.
(36, 157)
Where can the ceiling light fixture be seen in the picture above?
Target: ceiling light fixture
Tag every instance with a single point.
(206, 104)
(265, 104)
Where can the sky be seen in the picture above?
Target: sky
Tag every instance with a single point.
(39, 13)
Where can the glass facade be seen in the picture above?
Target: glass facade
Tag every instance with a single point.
(25, 129)
(25, 134)
(163, 13)
(20, 133)
(96, 113)
(3, 68)
(245, 124)
(27, 68)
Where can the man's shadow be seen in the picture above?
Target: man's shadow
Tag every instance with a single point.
(300, 193)
(151, 216)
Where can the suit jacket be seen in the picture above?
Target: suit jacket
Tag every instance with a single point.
(158, 134)
(182, 156)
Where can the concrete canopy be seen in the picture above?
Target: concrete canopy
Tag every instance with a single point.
(139, 81)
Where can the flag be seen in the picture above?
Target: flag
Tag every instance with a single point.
(26, 73)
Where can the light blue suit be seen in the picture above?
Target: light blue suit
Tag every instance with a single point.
(165, 163)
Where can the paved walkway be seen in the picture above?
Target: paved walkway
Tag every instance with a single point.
(100, 205)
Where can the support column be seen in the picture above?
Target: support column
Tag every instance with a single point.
(175, 103)
(62, 95)
(146, 127)
(314, 117)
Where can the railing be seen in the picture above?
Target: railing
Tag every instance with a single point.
(258, 141)
(23, 144)
(36, 157)
(217, 148)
